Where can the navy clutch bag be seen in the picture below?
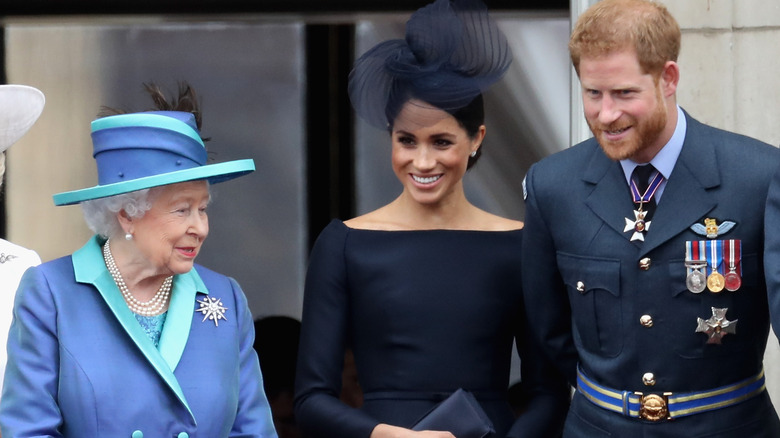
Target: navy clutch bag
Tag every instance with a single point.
(459, 414)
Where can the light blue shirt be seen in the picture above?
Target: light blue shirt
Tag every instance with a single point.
(665, 159)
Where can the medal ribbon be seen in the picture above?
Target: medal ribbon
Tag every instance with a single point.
(732, 252)
(648, 194)
(715, 249)
(695, 251)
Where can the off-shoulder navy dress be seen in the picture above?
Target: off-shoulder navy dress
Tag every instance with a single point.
(425, 312)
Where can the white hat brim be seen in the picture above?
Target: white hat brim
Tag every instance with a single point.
(20, 107)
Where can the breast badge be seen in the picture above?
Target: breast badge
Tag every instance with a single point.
(717, 326)
(711, 230)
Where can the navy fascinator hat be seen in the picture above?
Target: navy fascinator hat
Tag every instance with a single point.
(453, 51)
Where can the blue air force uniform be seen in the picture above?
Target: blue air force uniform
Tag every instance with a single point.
(653, 354)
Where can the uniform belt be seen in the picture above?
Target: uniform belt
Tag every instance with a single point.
(668, 405)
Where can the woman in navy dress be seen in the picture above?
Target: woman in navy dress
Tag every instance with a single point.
(426, 290)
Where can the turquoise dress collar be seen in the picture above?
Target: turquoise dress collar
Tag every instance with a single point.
(90, 268)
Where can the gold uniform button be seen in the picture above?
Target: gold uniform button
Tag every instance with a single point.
(644, 264)
(648, 379)
(646, 321)
(580, 287)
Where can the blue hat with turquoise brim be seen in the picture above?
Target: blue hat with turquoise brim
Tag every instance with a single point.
(143, 150)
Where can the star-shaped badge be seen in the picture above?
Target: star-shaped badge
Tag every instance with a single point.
(212, 309)
(638, 225)
(717, 326)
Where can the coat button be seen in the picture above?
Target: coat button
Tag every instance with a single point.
(644, 264)
(138, 434)
(646, 321)
(580, 287)
(648, 379)
(183, 435)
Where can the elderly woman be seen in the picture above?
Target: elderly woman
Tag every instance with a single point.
(128, 337)
(20, 107)
(425, 290)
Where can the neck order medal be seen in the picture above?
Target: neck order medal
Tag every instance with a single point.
(641, 224)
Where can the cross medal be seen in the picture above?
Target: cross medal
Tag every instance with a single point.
(717, 326)
(639, 225)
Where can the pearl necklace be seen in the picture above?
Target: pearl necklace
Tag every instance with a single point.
(144, 308)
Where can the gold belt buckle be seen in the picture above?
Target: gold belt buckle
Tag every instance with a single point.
(653, 407)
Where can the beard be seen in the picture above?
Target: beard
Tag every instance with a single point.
(644, 135)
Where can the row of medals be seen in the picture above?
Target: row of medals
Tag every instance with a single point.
(697, 281)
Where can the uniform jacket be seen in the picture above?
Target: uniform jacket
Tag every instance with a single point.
(80, 365)
(587, 285)
(772, 250)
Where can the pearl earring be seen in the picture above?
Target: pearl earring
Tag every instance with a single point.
(128, 236)
(473, 154)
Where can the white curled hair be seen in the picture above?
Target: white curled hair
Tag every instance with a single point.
(100, 214)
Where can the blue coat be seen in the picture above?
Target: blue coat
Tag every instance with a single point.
(586, 288)
(80, 365)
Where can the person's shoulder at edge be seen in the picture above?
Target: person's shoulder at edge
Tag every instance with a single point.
(24, 254)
